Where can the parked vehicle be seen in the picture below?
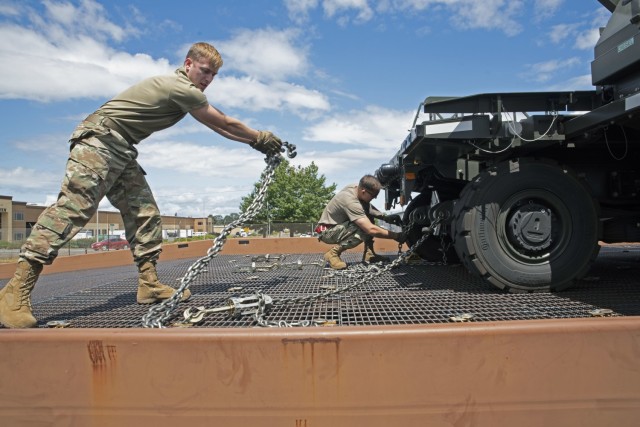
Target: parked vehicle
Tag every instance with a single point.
(112, 243)
(524, 186)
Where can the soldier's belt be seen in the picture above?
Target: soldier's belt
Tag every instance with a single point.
(108, 123)
(321, 227)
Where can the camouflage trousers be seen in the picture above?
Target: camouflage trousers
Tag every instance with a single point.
(347, 235)
(101, 163)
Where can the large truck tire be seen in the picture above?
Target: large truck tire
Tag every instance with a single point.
(527, 225)
(434, 248)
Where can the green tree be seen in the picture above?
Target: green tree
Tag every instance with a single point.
(296, 194)
(230, 218)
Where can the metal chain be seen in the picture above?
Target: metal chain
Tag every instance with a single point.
(159, 313)
(364, 275)
(444, 245)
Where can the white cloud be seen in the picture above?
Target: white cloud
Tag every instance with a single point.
(253, 95)
(200, 201)
(587, 39)
(374, 127)
(546, 8)
(38, 60)
(545, 71)
(465, 14)
(264, 54)
(219, 161)
(190, 178)
(87, 18)
(299, 9)
(339, 8)
(488, 14)
(583, 35)
(62, 54)
(561, 32)
(10, 9)
(47, 145)
(582, 82)
(18, 179)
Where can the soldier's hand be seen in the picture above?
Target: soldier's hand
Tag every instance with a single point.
(401, 237)
(267, 143)
(393, 219)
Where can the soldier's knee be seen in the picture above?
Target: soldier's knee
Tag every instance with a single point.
(51, 222)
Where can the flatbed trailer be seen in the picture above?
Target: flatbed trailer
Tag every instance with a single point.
(425, 344)
(422, 344)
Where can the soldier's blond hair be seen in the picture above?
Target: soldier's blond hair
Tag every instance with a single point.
(202, 50)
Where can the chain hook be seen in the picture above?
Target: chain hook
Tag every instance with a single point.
(290, 149)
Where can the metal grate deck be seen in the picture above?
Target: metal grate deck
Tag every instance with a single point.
(417, 293)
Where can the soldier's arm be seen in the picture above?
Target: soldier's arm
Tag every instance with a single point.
(226, 126)
(373, 230)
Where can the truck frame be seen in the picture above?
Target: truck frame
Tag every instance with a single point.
(525, 186)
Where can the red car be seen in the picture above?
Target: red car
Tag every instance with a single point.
(110, 244)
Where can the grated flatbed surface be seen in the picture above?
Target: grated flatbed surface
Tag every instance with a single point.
(414, 293)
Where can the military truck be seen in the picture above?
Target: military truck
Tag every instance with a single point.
(522, 188)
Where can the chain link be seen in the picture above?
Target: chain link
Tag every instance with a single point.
(159, 313)
(361, 274)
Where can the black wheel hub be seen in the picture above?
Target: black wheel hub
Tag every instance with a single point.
(530, 227)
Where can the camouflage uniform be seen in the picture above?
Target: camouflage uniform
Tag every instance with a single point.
(341, 213)
(348, 235)
(101, 163)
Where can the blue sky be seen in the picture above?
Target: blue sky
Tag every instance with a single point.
(341, 79)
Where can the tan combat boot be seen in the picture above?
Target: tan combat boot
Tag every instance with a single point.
(370, 256)
(333, 258)
(15, 297)
(150, 290)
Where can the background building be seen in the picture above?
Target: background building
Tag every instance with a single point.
(18, 218)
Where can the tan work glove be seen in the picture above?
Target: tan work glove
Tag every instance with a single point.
(267, 143)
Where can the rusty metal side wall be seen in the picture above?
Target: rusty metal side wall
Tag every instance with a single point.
(524, 373)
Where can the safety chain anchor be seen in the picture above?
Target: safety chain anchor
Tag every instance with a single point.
(242, 306)
(254, 267)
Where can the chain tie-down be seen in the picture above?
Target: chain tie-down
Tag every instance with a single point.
(260, 302)
(298, 265)
(236, 306)
(159, 313)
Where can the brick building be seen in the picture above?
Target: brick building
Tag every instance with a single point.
(17, 219)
